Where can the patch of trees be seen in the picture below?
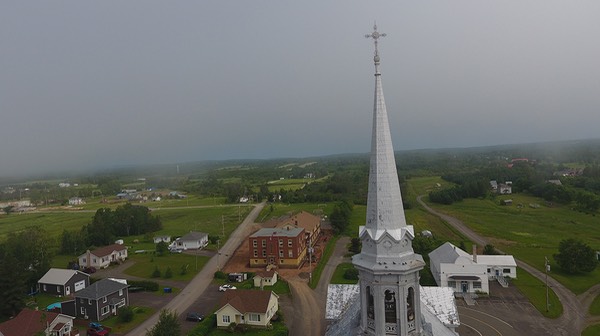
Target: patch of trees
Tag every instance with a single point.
(107, 225)
(574, 256)
(168, 325)
(340, 216)
(25, 256)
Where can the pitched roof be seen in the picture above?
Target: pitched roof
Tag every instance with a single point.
(248, 301)
(107, 250)
(265, 274)
(304, 220)
(27, 323)
(100, 289)
(194, 236)
(447, 254)
(58, 276)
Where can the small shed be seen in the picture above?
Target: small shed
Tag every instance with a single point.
(265, 278)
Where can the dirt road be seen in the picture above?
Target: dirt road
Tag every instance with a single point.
(573, 319)
(198, 285)
(306, 317)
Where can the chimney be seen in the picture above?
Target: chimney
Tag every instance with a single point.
(474, 253)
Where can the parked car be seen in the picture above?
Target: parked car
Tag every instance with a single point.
(96, 329)
(194, 317)
(226, 287)
(89, 270)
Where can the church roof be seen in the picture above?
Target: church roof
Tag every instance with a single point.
(447, 254)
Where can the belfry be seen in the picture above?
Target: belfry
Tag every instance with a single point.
(388, 267)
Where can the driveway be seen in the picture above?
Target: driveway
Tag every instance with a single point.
(305, 315)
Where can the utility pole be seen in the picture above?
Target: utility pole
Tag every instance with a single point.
(310, 252)
(547, 268)
(223, 226)
(219, 254)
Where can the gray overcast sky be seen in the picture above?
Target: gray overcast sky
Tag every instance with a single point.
(92, 84)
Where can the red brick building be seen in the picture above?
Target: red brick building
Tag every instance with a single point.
(283, 247)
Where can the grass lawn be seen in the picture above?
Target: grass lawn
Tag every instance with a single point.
(535, 291)
(145, 265)
(338, 274)
(140, 314)
(42, 301)
(595, 307)
(530, 234)
(592, 330)
(324, 259)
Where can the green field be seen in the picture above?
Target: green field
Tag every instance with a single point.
(145, 264)
(275, 210)
(530, 234)
(592, 330)
(535, 291)
(595, 306)
(54, 223)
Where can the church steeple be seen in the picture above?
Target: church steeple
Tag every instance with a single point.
(384, 202)
(387, 265)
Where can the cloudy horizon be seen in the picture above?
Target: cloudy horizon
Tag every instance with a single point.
(105, 84)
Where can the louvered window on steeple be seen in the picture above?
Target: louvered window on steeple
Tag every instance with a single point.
(370, 304)
(410, 305)
(390, 306)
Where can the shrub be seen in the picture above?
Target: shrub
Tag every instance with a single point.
(168, 273)
(220, 275)
(125, 314)
(351, 274)
(150, 286)
(156, 273)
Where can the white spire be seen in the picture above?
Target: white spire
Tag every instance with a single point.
(384, 203)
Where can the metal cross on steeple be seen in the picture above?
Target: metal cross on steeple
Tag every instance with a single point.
(375, 35)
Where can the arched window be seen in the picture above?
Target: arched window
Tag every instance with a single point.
(390, 306)
(410, 304)
(370, 304)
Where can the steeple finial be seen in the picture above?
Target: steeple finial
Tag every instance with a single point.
(375, 35)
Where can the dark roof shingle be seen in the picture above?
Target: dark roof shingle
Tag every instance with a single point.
(247, 301)
(100, 289)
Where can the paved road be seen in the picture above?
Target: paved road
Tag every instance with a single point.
(573, 319)
(198, 285)
(308, 318)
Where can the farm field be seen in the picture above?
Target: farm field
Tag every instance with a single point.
(279, 209)
(528, 233)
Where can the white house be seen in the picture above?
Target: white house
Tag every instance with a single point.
(251, 307)
(265, 278)
(465, 273)
(103, 256)
(192, 241)
(505, 189)
(158, 239)
(76, 201)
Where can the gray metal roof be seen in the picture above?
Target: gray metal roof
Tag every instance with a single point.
(277, 232)
(195, 236)
(100, 289)
(58, 276)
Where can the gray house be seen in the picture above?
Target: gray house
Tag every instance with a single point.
(63, 282)
(98, 301)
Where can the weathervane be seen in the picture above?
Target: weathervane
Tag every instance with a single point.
(375, 35)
